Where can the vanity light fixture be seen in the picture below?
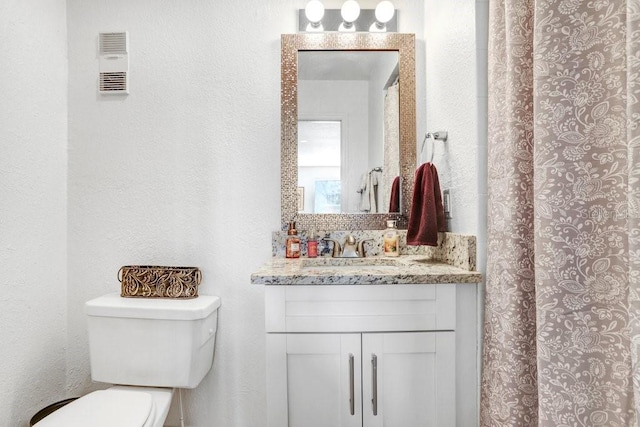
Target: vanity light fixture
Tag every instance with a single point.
(314, 11)
(349, 18)
(350, 11)
(384, 13)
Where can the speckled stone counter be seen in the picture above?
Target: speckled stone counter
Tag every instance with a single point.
(452, 261)
(405, 269)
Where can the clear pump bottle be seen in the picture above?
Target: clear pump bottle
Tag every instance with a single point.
(391, 240)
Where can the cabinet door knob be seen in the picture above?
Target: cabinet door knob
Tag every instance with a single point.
(374, 383)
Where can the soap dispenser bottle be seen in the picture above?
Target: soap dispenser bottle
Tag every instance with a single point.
(312, 245)
(292, 246)
(391, 240)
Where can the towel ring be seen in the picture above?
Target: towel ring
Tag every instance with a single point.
(441, 135)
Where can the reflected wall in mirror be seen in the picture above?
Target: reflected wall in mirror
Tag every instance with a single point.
(317, 119)
(348, 106)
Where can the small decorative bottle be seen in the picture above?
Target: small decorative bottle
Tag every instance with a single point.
(293, 242)
(312, 245)
(391, 240)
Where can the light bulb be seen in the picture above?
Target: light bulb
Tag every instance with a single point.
(384, 11)
(314, 11)
(350, 11)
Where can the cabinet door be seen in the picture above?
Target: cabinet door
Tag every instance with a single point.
(319, 380)
(408, 379)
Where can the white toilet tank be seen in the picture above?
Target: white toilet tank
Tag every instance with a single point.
(157, 342)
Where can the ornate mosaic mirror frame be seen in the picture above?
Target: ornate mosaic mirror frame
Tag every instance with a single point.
(404, 44)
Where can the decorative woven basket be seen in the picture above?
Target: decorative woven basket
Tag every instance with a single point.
(150, 281)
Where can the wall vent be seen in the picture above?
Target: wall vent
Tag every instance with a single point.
(113, 82)
(114, 63)
(113, 43)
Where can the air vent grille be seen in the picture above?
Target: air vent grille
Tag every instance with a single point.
(114, 63)
(113, 82)
(113, 43)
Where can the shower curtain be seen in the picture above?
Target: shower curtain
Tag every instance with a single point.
(562, 316)
(391, 146)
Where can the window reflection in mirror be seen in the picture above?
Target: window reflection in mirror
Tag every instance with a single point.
(319, 164)
(359, 90)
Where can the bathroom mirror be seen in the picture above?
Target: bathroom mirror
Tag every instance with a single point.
(348, 130)
(309, 54)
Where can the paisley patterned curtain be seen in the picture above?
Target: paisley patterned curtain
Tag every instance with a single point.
(562, 305)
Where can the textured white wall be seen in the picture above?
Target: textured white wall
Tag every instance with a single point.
(456, 97)
(452, 104)
(33, 182)
(184, 170)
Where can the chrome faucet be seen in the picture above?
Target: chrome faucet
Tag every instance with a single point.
(351, 249)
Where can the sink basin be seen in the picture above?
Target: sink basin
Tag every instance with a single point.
(379, 265)
(426, 261)
(345, 268)
(348, 262)
(350, 270)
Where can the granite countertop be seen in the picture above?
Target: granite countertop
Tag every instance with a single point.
(405, 269)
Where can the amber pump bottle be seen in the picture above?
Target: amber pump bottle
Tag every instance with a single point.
(292, 245)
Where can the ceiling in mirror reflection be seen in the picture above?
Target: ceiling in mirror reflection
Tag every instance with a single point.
(344, 65)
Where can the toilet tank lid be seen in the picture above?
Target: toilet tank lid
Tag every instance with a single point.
(113, 305)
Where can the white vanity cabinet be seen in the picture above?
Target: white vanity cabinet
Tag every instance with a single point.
(361, 355)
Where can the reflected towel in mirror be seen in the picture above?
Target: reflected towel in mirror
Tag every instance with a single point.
(394, 202)
(368, 190)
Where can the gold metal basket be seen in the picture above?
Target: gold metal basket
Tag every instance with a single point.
(151, 281)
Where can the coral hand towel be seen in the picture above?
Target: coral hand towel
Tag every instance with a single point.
(426, 216)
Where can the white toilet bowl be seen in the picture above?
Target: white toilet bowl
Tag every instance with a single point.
(121, 406)
(147, 346)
